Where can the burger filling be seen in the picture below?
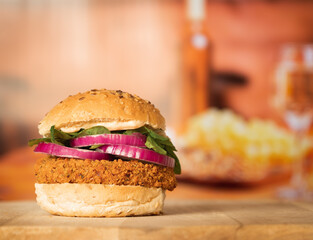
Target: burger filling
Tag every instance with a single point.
(117, 172)
(143, 157)
(98, 143)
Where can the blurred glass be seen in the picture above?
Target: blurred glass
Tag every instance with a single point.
(294, 100)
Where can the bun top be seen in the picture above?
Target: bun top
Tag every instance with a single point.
(115, 110)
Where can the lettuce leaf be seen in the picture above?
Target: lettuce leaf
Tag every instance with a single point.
(62, 138)
(160, 144)
(33, 142)
(95, 146)
(59, 137)
(93, 131)
(170, 152)
(152, 144)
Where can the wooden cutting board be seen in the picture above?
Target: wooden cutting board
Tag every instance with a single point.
(253, 220)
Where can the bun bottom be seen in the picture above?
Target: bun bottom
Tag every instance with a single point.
(98, 200)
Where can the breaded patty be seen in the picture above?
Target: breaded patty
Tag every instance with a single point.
(118, 172)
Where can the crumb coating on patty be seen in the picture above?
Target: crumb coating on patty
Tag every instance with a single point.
(117, 172)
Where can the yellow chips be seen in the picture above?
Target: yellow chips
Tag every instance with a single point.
(255, 140)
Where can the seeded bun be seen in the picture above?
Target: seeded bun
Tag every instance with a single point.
(98, 200)
(115, 110)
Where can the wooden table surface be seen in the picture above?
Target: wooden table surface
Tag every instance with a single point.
(17, 182)
(190, 212)
(182, 219)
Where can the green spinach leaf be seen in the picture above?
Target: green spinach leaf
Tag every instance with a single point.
(93, 131)
(33, 142)
(152, 144)
(170, 152)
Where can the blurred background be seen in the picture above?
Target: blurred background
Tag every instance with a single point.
(216, 70)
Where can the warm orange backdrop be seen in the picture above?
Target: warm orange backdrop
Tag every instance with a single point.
(50, 49)
(55, 48)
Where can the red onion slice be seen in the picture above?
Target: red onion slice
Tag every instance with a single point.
(136, 139)
(62, 151)
(139, 153)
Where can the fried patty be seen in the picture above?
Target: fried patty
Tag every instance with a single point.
(118, 172)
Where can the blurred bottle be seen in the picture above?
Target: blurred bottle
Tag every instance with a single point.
(196, 62)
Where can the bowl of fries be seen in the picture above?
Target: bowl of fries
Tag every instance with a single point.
(221, 146)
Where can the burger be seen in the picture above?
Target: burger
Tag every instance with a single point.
(106, 155)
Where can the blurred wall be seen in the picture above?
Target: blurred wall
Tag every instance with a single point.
(52, 48)
(247, 36)
(57, 48)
